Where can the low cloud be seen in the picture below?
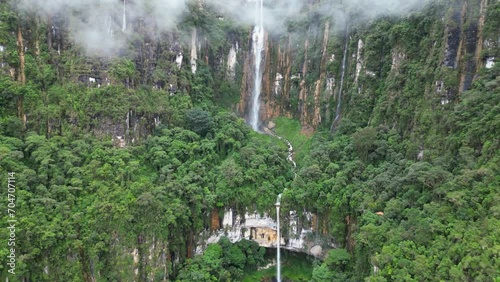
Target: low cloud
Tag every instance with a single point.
(103, 26)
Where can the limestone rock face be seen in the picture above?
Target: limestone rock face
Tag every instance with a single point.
(232, 60)
(194, 52)
(316, 250)
(286, 89)
(262, 229)
(490, 61)
(271, 125)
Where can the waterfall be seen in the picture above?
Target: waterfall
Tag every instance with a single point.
(290, 153)
(290, 147)
(127, 126)
(257, 48)
(278, 243)
(124, 23)
(278, 204)
(339, 100)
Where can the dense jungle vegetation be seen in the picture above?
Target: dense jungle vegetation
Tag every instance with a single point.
(88, 209)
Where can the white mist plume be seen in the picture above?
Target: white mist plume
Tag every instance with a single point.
(276, 12)
(98, 25)
(102, 26)
(369, 9)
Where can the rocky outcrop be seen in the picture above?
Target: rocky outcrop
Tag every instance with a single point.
(300, 235)
(301, 71)
(453, 30)
(303, 91)
(398, 56)
(480, 38)
(194, 52)
(470, 40)
(133, 128)
(232, 61)
(465, 46)
(322, 77)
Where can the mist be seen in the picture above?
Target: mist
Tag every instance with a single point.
(365, 10)
(102, 27)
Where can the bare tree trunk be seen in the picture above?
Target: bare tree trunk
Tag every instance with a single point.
(190, 244)
(215, 220)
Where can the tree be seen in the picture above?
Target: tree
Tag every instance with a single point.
(363, 141)
(199, 121)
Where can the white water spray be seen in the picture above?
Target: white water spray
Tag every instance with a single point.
(257, 48)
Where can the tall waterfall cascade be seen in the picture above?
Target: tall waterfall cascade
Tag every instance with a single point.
(124, 23)
(339, 97)
(293, 225)
(264, 228)
(278, 243)
(257, 49)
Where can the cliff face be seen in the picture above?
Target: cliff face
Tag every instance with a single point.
(319, 71)
(299, 232)
(285, 91)
(303, 69)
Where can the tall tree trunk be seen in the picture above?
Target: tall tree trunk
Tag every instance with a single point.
(190, 244)
(215, 220)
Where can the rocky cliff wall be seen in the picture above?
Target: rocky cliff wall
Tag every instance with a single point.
(304, 66)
